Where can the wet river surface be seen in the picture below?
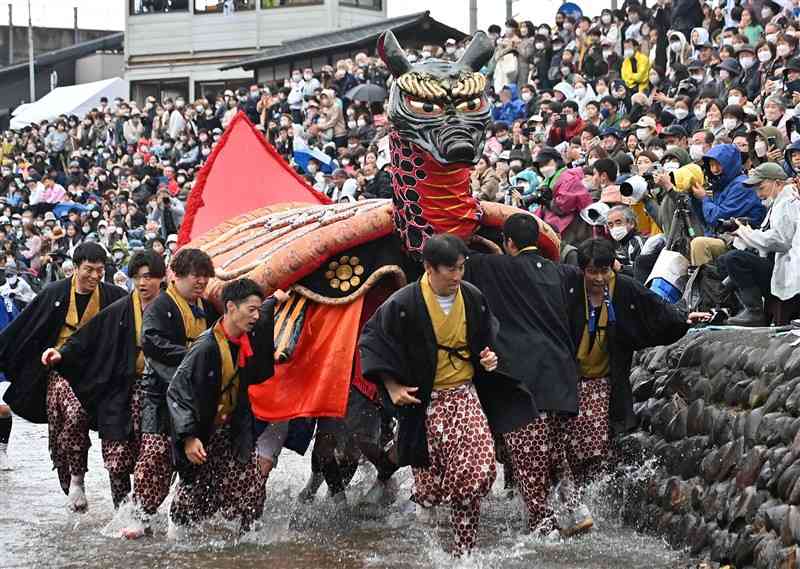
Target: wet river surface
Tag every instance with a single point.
(37, 531)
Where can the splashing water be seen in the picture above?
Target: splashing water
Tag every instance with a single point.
(37, 531)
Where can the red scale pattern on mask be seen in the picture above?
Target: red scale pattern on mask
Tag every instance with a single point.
(429, 197)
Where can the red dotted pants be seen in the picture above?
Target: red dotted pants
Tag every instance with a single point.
(462, 461)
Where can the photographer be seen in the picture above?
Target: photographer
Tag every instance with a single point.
(621, 224)
(726, 197)
(561, 196)
(764, 261)
(168, 213)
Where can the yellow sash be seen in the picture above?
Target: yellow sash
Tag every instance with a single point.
(137, 323)
(71, 324)
(229, 383)
(451, 332)
(191, 324)
(594, 362)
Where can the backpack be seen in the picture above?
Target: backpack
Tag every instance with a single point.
(704, 291)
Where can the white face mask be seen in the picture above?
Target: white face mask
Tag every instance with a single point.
(450, 49)
(700, 112)
(764, 56)
(733, 100)
(772, 38)
(548, 171)
(606, 18)
(681, 114)
(580, 92)
(539, 46)
(675, 46)
(729, 124)
(618, 233)
(526, 96)
(783, 50)
(628, 52)
(643, 133)
(696, 152)
(671, 166)
(747, 62)
(760, 148)
(699, 77)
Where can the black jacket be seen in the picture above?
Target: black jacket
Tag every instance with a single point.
(99, 361)
(164, 346)
(643, 320)
(193, 394)
(399, 341)
(526, 294)
(31, 333)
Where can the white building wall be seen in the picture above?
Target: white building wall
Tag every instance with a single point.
(99, 66)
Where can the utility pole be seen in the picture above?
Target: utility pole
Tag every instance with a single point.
(30, 55)
(10, 34)
(509, 9)
(473, 16)
(75, 24)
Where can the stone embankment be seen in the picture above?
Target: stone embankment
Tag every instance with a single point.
(720, 411)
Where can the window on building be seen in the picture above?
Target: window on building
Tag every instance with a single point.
(157, 6)
(160, 89)
(223, 6)
(266, 4)
(368, 4)
(215, 88)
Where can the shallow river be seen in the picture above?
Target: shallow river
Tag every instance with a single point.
(37, 531)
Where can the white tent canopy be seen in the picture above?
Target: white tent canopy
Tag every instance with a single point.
(75, 100)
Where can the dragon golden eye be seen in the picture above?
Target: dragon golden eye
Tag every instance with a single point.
(471, 105)
(424, 107)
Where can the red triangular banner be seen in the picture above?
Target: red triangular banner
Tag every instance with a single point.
(243, 173)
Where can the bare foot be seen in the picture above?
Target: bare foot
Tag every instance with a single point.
(76, 499)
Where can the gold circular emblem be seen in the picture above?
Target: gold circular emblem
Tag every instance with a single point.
(354, 261)
(358, 269)
(335, 283)
(345, 286)
(344, 272)
(332, 265)
(355, 281)
(329, 274)
(344, 260)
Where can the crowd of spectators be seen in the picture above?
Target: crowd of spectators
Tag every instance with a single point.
(639, 125)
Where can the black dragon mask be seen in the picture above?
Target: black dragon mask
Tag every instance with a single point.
(440, 105)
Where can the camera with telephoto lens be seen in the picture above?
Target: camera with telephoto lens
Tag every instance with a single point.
(730, 225)
(636, 187)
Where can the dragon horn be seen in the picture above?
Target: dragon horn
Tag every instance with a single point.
(478, 52)
(392, 54)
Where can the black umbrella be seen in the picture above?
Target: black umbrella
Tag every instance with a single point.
(367, 93)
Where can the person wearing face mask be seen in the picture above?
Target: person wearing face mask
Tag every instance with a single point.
(728, 73)
(732, 117)
(724, 197)
(621, 226)
(565, 125)
(750, 79)
(768, 144)
(766, 261)
(561, 196)
(645, 129)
